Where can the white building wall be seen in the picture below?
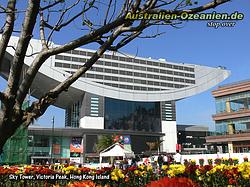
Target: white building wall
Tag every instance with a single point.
(88, 122)
(170, 139)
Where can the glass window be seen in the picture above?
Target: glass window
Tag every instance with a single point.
(41, 141)
(99, 62)
(163, 84)
(107, 56)
(107, 70)
(156, 83)
(114, 71)
(99, 69)
(107, 77)
(122, 59)
(137, 88)
(114, 78)
(107, 63)
(175, 67)
(66, 65)
(114, 64)
(67, 58)
(136, 60)
(220, 105)
(150, 76)
(128, 115)
(99, 76)
(150, 82)
(170, 72)
(74, 66)
(155, 64)
(90, 53)
(90, 75)
(58, 64)
(170, 78)
(150, 69)
(83, 53)
(149, 63)
(59, 57)
(156, 70)
(239, 104)
(169, 66)
(75, 59)
(115, 57)
(137, 81)
(76, 52)
(163, 71)
(156, 76)
(143, 62)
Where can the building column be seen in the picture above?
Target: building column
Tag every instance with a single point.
(84, 148)
(231, 128)
(230, 147)
(228, 108)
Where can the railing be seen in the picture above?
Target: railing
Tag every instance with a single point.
(234, 83)
(226, 133)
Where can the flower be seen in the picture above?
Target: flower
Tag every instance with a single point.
(176, 169)
(164, 167)
(177, 182)
(136, 172)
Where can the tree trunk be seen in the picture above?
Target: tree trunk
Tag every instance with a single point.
(7, 129)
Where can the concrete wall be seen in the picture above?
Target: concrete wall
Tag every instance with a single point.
(92, 122)
(170, 138)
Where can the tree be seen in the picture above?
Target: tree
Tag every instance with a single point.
(104, 142)
(112, 29)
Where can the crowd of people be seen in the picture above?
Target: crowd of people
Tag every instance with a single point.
(157, 160)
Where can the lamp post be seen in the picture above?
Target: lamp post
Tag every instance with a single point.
(52, 137)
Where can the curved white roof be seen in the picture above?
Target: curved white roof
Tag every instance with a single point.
(120, 76)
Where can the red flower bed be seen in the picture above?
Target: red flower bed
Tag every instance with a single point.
(173, 182)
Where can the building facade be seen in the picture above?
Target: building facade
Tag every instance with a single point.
(191, 139)
(232, 118)
(122, 93)
(77, 144)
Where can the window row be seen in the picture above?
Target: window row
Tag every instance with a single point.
(126, 66)
(124, 59)
(131, 80)
(130, 87)
(138, 81)
(128, 73)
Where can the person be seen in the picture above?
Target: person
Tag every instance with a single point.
(177, 157)
(160, 161)
(165, 160)
(133, 163)
(170, 159)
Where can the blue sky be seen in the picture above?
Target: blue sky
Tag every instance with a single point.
(194, 43)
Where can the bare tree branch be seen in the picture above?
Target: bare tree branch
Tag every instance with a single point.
(113, 35)
(9, 26)
(2, 96)
(207, 6)
(42, 35)
(40, 59)
(57, 26)
(38, 108)
(23, 43)
(164, 3)
(126, 40)
(107, 12)
(3, 8)
(51, 5)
